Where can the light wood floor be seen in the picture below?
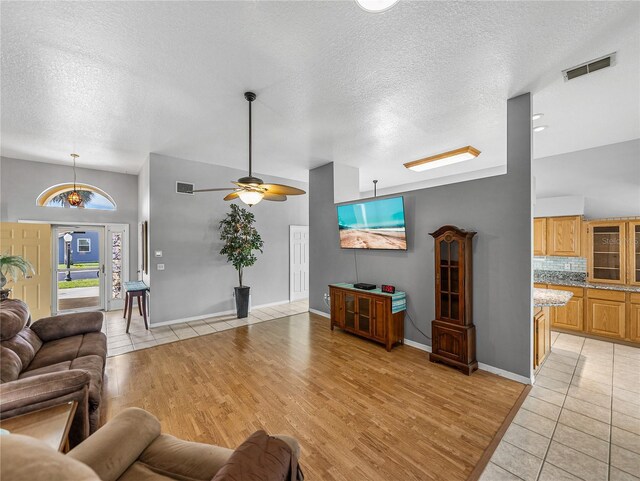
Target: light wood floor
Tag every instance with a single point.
(359, 412)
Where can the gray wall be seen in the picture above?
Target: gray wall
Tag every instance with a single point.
(608, 177)
(197, 280)
(498, 208)
(22, 181)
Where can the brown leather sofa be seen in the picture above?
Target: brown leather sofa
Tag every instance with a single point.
(52, 361)
(130, 447)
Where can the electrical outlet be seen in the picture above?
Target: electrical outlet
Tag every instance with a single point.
(567, 266)
(160, 267)
(158, 253)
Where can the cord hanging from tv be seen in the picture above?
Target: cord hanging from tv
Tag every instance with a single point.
(375, 224)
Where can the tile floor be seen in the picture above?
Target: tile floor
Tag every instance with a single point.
(581, 420)
(119, 342)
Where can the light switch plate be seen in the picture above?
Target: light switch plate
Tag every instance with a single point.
(160, 267)
(158, 253)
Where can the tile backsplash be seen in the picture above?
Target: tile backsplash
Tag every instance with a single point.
(555, 263)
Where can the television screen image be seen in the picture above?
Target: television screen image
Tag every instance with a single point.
(376, 224)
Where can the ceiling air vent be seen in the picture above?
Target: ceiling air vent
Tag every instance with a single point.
(184, 188)
(590, 66)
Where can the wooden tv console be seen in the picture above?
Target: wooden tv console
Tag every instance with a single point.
(368, 314)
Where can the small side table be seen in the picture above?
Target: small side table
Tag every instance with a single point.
(50, 425)
(139, 290)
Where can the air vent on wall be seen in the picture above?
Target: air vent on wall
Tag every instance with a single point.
(184, 188)
(590, 66)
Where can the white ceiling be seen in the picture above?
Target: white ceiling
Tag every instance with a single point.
(117, 80)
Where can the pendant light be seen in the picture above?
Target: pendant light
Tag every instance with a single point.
(74, 198)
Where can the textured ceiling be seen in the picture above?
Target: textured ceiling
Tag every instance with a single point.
(117, 80)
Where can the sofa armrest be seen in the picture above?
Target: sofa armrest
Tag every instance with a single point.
(118, 444)
(33, 391)
(67, 325)
(176, 458)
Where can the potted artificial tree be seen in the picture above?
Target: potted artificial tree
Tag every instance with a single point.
(240, 239)
(13, 267)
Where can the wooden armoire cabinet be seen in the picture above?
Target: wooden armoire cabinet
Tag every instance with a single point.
(453, 333)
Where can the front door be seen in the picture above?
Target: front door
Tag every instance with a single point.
(298, 262)
(80, 271)
(32, 242)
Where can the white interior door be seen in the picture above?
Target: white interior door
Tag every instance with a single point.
(298, 262)
(116, 264)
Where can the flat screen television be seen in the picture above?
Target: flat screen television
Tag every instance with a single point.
(375, 224)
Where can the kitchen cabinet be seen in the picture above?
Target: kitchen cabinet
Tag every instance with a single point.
(607, 251)
(540, 236)
(633, 317)
(563, 236)
(633, 235)
(571, 315)
(606, 313)
(541, 335)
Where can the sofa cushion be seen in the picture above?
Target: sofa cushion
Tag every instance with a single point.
(25, 344)
(14, 316)
(10, 365)
(93, 365)
(69, 348)
(141, 472)
(61, 366)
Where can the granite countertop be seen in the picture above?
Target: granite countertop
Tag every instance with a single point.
(577, 279)
(550, 297)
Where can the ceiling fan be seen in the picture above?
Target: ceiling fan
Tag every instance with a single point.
(250, 189)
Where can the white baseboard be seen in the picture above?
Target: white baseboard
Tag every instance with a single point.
(320, 313)
(213, 314)
(501, 372)
(417, 345)
(481, 365)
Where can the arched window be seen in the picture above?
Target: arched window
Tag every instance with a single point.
(92, 197)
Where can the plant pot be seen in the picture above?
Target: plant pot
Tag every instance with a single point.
(242, 301)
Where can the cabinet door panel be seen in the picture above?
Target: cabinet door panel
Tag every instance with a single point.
(349, 311)
(337, 313)
(364, 314)
(540, 236)
(634, 253)
(606, 318)
(607, 254)
(380, 319)
(570, 316)
(563, 236)
(449, 343)
(634, 322)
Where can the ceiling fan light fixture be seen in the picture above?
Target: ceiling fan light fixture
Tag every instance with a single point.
(376, 6)
(250, 197)
(446, 158)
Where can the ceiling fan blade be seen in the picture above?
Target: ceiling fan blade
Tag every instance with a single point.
(274, 197)
(213, 190)
(280, 189)
(231, 196)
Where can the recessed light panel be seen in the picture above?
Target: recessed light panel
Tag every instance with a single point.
(446, 158)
